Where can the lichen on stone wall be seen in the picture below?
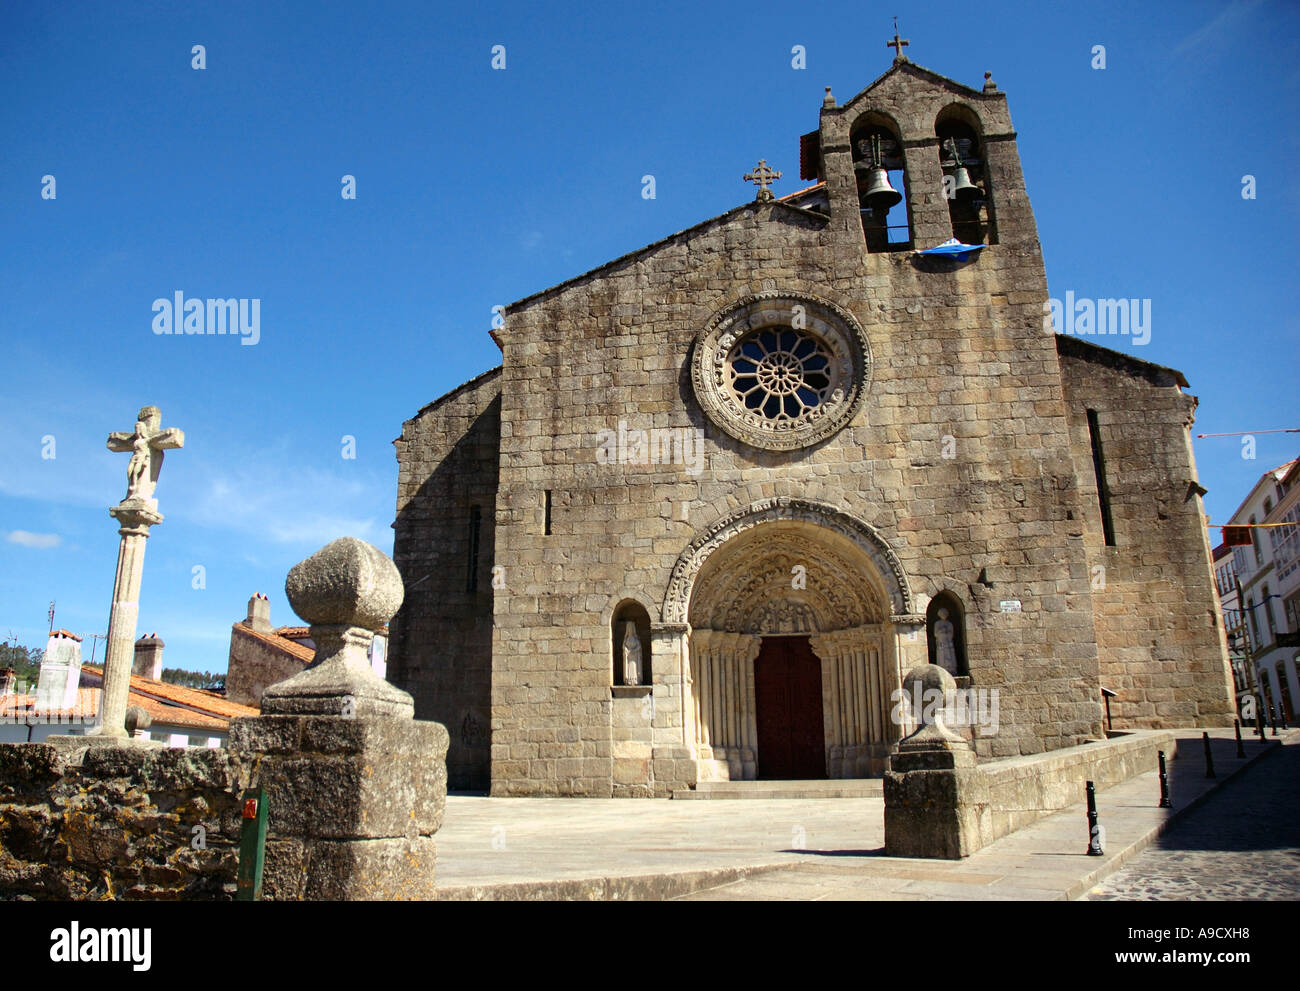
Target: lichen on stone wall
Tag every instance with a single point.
(119, 823)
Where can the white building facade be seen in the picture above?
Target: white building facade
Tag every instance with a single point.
(1268, 576)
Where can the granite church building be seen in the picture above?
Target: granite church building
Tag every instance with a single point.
(725, 491)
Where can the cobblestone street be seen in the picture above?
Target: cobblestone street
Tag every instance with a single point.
(1242, 844)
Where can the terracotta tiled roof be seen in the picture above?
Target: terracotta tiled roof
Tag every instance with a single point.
(801, 192)
(284, 644)
(304, 632)
(174, 697)
(172, 715)
(20, 707)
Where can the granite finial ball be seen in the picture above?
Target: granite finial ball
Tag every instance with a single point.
(346, 583)
(925, 677)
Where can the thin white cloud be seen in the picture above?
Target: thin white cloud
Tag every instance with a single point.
(286, 505)
(1213, 30)
(266, 497)
(41, 541)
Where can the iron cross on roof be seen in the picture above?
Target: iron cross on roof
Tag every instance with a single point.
(898, 44)
(763, 176)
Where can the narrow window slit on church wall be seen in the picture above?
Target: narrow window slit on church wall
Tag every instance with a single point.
(1099, 469)
(548, 512)
(475, 524)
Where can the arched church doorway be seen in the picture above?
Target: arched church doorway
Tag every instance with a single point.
(791, 653)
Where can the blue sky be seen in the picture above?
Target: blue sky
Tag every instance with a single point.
(476, 187)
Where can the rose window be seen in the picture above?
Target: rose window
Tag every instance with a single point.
(779, 373)
(781, 370)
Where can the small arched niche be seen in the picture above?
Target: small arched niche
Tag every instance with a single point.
(945, 634)
(966, 184)
(631, 612)
(879, 166)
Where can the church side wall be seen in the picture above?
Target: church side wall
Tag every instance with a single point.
(440, 648)
(1159, 627)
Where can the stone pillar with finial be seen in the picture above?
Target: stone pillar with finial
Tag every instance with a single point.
(355, 785)
(936, 802)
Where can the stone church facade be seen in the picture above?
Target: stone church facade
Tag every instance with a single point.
(779, 449)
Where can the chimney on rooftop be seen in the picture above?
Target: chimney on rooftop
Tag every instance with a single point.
(148, 657)
(60, 672)
(8, 677)
(259, 613)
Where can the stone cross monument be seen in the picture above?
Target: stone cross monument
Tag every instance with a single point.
(136, 513)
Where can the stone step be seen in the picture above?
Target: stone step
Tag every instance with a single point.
(834, 788)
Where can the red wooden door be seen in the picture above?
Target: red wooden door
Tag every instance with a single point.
(788, 699)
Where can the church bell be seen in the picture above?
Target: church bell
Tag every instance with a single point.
(963, 188)
(879, 194)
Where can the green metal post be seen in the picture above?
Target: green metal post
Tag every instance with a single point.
(252, 846)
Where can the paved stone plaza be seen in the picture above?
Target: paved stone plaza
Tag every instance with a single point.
(751, 850)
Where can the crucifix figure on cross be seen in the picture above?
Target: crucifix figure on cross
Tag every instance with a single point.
(898, 44)
(763, 176)
(146, 445)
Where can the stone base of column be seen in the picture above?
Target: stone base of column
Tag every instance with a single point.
(353, 804)
(712, 769)
(936, 804)
(350, 870)
(674, 769)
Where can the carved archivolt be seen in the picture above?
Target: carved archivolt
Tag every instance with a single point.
(786, 582)
(781, 370)
(739, 574)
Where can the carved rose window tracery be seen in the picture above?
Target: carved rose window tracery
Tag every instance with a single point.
(780, 373)
(781, 370)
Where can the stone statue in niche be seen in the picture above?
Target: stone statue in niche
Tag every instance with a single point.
(631, 655)
(945, 650)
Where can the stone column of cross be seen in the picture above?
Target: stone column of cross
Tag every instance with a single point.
(136, 513)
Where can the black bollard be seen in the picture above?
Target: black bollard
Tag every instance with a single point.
(1282, 715)
(1209, 757)
(1094, 831)
(1241, 750)
(1165, 803)
(1272, 720)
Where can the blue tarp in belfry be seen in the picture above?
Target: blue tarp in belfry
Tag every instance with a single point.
(953, 247)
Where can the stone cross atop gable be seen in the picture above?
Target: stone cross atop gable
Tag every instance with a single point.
(763, 176)
(898, 44)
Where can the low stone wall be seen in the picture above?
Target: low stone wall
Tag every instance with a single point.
(353, 806)
(1024, 789)
(118, 822)
(938, 803)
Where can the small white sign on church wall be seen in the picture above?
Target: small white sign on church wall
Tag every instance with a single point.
(1010, 605)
